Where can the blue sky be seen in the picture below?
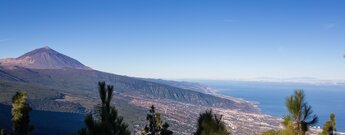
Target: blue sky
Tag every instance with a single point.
(184, 39)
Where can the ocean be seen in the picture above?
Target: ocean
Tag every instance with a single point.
(270, 97)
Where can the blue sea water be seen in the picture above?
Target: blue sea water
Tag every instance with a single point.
(324, 99)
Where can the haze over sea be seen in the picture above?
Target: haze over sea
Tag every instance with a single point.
(324, 98)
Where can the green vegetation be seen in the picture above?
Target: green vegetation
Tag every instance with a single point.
(273, 132)
(210, 124)
(155, 126)
(20, 114)
(329, 127)
(279, 132)
(300, 116)
(105, 121)
(36, 92)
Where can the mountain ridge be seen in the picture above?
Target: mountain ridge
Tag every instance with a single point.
(83, 82)
(74, 90)
(43, 58)
(58, 71)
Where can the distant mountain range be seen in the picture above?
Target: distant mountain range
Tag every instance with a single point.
(58, 83)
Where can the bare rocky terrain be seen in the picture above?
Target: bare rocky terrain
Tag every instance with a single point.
(43, 58)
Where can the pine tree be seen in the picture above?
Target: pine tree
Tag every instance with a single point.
(20, 114)
(288, 125)
(105, 120)
(289, 128)
(210, 124)
(155, 126)
(300, 113)
(329, 127)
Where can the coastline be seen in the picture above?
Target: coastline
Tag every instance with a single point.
(269, 99)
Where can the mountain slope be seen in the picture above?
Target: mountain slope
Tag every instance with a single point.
(58, 83)
(43, 58)
(185, 85)
(49, 68)
(84, 82)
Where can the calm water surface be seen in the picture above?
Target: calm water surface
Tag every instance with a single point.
(324, 99)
